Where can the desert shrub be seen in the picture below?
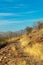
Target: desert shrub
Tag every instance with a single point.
(28, 29)
(38, 25)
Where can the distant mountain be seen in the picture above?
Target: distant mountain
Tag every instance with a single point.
(12, 34)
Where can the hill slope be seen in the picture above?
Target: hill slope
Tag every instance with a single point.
(26, 50)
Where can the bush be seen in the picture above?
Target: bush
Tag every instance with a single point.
(28, 29)
(38, 25)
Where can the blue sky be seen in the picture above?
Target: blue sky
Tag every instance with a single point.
(17, 14)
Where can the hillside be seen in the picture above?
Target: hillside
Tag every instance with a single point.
(26, 49)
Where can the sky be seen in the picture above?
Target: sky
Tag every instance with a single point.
(18, 14)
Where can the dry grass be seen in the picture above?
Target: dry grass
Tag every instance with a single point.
(27, 51)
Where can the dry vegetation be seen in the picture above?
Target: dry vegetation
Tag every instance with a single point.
(24, 50)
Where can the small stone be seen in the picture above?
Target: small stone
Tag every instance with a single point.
(0, 58)
(5, 57)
